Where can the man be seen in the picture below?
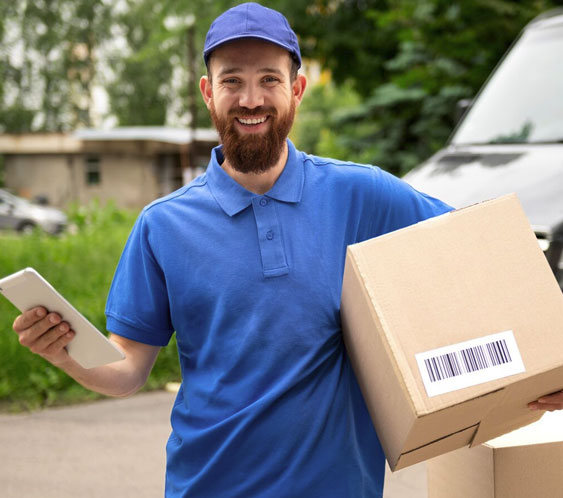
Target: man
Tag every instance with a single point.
(245, 264)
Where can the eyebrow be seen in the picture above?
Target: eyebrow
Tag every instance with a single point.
(231, 70)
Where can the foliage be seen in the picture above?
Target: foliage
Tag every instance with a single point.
(48, 62)
(80, 264)
(408, 62)
(139, 94)
(314, 129)
(151, 86)
(397, 69)
(411, 61)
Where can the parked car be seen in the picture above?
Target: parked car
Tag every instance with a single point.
(511, 138)
(20, 214)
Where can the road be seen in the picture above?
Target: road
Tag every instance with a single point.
(109, 448)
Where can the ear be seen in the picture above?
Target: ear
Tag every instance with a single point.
(206, 90)
(298, 88)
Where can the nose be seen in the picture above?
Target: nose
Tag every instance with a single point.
(251, 96)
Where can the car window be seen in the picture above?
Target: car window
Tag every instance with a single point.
(522, 101)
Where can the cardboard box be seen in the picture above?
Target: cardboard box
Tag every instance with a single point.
(525, 463)
(463, 276)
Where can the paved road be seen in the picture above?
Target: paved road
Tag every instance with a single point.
(109, 449)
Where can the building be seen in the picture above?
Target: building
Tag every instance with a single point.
(131, 166)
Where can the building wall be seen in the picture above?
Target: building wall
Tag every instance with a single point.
(30, 176)
(129, 180)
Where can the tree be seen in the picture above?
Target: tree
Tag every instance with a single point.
(151, 82)
(397, 67)
(410, 61)
(13, 115)
(49, 62)
(138, 93)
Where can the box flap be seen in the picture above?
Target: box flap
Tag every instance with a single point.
(438, 447)
(449, 421)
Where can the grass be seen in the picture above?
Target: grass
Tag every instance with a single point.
(80, 265)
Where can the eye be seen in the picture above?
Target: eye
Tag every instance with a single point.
(270, 80)
(230, 81)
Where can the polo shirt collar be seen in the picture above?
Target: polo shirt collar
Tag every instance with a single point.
(233, 197)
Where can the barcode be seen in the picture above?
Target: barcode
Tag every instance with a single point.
(469, 363)
(468, 360)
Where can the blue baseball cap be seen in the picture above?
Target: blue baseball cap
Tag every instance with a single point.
(251, 20)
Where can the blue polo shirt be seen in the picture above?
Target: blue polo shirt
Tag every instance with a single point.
(269, 406)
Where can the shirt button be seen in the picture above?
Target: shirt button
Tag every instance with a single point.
(263, 202)
(270, 235)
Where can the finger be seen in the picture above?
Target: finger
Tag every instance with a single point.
(548, 407)
(554, 398)
(58, 345)
(46, 340)
(549, 402)
(553, 408)
(534, 405)
(28, 318)
(30, 335)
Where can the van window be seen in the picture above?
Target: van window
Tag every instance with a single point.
(522, 101)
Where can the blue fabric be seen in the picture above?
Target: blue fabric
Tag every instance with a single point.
(251, 20)
(269, 405)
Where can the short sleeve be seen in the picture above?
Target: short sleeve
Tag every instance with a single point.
(138, 306)
(398, 205)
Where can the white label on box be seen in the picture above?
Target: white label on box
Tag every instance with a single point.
(470, 363)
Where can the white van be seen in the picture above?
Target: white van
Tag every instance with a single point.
(511, 138)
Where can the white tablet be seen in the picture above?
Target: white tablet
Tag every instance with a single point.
(90, 348)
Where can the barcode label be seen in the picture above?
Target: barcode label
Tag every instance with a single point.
(470, 363)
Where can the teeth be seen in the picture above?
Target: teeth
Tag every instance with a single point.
(252, 121)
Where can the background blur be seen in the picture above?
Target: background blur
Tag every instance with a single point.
(385, 80)
(388, 73)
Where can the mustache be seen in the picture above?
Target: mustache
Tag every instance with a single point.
(244, 112)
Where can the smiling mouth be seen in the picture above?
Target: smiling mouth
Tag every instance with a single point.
(252, 121)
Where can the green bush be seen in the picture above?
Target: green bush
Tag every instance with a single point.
(80, 264)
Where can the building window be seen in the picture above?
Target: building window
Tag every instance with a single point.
(93, 173)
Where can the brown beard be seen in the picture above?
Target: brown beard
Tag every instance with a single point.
(253, 153)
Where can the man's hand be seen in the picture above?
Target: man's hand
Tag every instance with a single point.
(47, 335)
(44, 334)
(550, 403)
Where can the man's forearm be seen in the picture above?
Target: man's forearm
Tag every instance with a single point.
(47, 335)
(121, 378)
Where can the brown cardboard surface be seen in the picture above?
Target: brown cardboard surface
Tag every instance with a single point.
(376, 369)
(438, 447)
(457, 277)
(522, 464)
(465, 473)
(527, 471)
(435, 426)
(512, 412)
(408, 483)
